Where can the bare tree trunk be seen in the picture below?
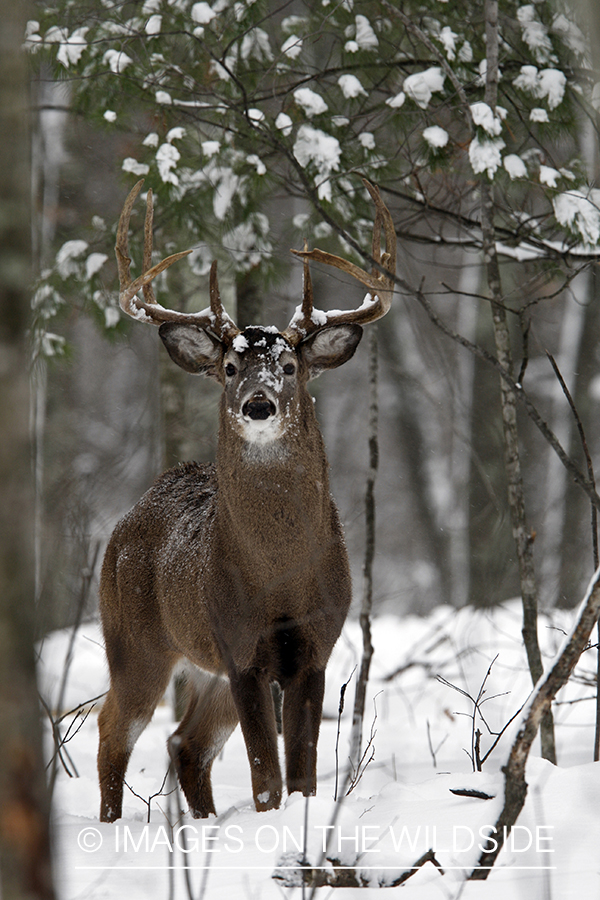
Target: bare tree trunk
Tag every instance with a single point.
(457, 525)
(515, 786)
(516, 499)
(48, 155)
(561, 423)
(418, 437)
(367, 598)
(591, 16)
(25, 870)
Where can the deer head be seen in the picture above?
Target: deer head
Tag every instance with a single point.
(261, 370)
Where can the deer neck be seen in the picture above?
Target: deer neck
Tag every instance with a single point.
(274, 493)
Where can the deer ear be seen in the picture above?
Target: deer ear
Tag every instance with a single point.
(329, 348)
(193, 349)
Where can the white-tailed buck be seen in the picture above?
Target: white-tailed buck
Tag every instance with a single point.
(240, 567)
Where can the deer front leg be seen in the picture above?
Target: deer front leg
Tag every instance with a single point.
(302, 707)
(252, 695)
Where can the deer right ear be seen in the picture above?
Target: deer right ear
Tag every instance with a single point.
(193, 349)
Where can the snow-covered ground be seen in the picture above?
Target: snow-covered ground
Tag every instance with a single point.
(402, 806)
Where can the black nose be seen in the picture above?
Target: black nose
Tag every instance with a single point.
(259, 409)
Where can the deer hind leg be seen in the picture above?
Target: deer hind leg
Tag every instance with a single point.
(209, 719)
(139, 678)
(252, 694)
(302, 707)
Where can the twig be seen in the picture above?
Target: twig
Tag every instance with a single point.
(359, 768)
(430, 743)
(58, 747)
(337, 737)
(159, 793)
(477, 760)
(86, 578)
(68, 735)
(91, 701)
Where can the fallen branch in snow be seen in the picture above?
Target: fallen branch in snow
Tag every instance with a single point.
(340, 876)
(471, 792)
(515, 786)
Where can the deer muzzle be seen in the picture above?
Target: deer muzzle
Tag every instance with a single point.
(259, 407)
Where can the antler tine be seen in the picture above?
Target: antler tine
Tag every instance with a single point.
(148, 310)
(122, 245)
(381, 286)
(307, 293)
(148, 290)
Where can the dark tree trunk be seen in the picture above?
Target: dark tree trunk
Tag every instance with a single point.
(25, 870)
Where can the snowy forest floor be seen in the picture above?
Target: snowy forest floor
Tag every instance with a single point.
(421, 722)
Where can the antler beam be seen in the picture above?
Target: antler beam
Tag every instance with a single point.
(148, 310)
(376, 304)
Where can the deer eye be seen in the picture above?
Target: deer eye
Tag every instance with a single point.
(230, 370)
(289, 369)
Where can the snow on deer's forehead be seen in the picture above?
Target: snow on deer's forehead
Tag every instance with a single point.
(268, 341)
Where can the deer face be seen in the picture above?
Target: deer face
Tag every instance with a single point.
(261, 384)
(263, 376)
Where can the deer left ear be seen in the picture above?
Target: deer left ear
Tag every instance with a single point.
(329, 348)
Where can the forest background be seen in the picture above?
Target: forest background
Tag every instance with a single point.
(253, 124)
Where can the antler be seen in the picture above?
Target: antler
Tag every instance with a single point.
(376, 304)
(214, 317)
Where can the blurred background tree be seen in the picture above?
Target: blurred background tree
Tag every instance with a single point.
(25, 870)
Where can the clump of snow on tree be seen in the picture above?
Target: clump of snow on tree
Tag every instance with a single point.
(485, 155)
(435, 136)
(421, 86)
(311, 102)
(515, 166)
(484, 116)
(323, 150)
(351, 86)
(580, 213)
